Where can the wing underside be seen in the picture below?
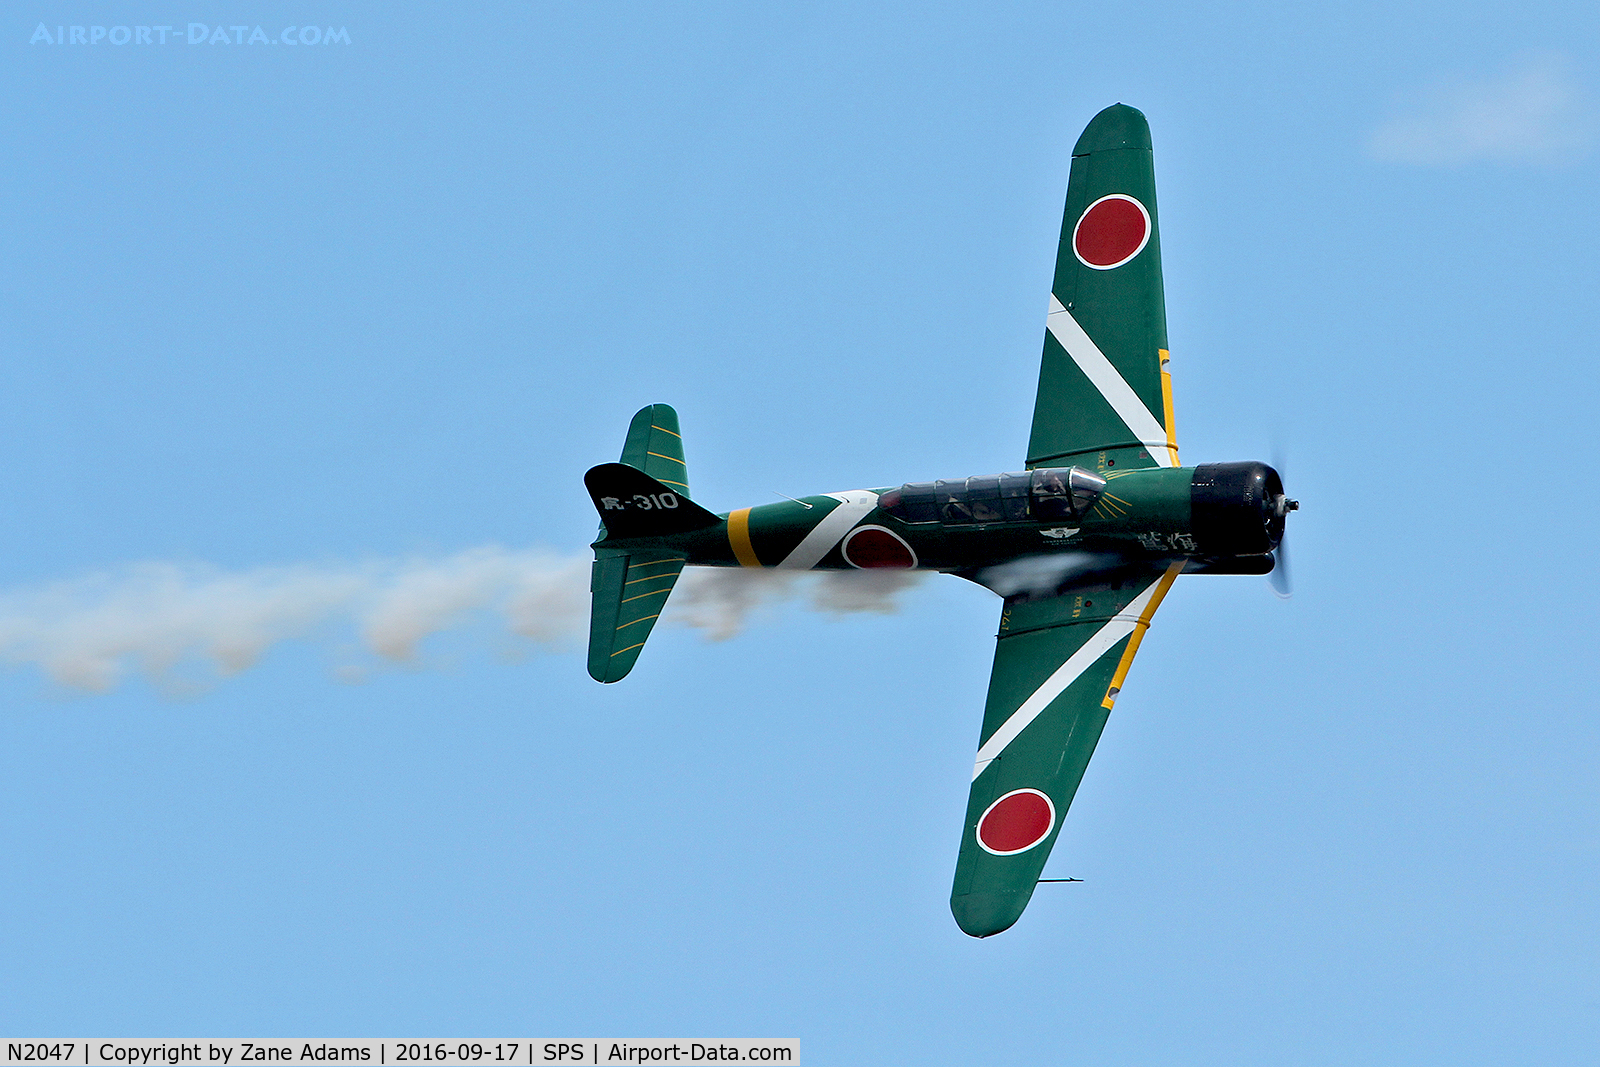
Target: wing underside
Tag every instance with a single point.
(1059, 664)
(1104, 397)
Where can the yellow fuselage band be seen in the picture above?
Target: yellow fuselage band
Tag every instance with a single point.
(739, 538)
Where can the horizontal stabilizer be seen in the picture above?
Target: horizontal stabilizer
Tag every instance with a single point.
(629, 590)
(633, 504)
(655, 446)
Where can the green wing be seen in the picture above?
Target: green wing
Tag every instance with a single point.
(1058, 666)
(1104, 397)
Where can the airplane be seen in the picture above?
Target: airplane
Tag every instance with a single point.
(1083, 543)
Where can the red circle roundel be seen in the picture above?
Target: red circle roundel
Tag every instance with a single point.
(874, 546)
(1016, 822)
(1111, 231)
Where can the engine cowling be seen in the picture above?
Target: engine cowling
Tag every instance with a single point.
(1237, 509)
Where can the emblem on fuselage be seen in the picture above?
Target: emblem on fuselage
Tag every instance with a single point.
(1059, 533)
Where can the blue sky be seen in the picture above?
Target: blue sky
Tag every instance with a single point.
(364, 313)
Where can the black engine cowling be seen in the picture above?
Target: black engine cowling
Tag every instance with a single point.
(1237, 509)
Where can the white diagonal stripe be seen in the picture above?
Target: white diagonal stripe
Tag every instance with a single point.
(853, 507)
(1116, 628)
(1105, 377)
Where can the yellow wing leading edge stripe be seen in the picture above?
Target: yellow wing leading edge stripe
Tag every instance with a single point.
(1166, 406)
(1139, 627)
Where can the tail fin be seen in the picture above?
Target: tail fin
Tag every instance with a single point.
(633, 504)
(646, 495)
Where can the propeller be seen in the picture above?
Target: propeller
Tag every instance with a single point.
(1278, 578)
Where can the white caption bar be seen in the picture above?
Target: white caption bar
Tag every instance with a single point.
(386, 1052)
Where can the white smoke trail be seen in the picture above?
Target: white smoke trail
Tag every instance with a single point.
(86, 634)
(721, 600)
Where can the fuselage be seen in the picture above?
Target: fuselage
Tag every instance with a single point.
(1224, 517)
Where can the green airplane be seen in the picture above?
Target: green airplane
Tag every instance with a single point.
(1083, 544)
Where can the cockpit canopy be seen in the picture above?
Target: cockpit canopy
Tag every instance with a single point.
(1050, 494)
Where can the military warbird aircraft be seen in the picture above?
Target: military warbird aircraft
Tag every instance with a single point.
(1083, 544)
